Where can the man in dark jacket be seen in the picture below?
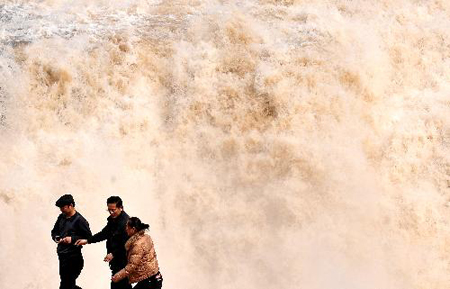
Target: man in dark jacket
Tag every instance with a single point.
(70, 227)
(115, 235)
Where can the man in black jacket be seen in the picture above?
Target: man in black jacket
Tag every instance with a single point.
(70, 227)
(115, 235)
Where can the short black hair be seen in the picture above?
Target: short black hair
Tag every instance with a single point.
(115, 200)
(64, 200)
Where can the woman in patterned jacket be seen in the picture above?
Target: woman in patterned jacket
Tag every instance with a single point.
(142, 266)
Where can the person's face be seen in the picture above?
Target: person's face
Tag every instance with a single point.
(114, 211)
(66, 210)
(130, 231)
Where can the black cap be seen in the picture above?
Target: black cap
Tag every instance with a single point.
(64, 200)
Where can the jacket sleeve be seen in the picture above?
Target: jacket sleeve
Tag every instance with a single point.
(134, 258)
(55, 231)
(100, 236)
(83, 231)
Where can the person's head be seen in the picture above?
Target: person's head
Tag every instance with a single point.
(115, 206)
(66, 204)
(135, 225)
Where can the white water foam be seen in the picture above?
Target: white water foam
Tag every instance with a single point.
(287, 144)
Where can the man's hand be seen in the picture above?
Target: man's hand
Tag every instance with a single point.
(108, 257)
(66, 240)
(81, 242)
(115, 278)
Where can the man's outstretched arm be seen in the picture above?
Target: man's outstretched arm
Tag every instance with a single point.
(100, 236)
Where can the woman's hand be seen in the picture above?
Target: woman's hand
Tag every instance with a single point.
(115, 278)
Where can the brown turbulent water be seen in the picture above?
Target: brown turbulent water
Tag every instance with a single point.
(270, 144)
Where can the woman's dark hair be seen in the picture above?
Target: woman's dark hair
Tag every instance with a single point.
(135, 222)
(115, 200)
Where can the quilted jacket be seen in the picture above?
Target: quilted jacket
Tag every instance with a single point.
(141, 255)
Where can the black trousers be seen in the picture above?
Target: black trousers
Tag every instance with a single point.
(70, 267)
(116, 266)
(153, 282)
